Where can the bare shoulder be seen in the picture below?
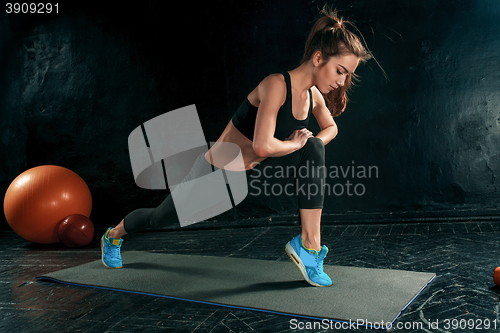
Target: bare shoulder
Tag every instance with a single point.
(272, 87)
(274, 78)
(273, 81)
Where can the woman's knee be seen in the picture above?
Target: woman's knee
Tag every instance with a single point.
(315, 146)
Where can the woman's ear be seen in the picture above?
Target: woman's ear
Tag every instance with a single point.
(317, 59)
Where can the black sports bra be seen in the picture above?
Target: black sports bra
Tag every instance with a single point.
(286, 123)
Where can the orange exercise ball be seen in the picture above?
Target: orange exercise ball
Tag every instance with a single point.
(39, 198)
(496, 276)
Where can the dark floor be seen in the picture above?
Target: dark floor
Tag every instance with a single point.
(462, 254)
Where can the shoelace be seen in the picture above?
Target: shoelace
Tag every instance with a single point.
(319, 260)
(114, 251)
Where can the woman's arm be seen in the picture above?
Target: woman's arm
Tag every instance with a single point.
(325, 120)
(272, 95)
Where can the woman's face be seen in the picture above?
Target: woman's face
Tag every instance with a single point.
(332, 74)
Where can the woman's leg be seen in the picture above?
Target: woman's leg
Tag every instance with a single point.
(165, 214)
(118, 231)
(311, 228)
(140, 219)
(307, 166)
(305, 249)
(311, 196)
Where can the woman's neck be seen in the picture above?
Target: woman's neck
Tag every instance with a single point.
(302, 78)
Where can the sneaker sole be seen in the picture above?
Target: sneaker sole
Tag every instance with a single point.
(102, 256)
(300, 265)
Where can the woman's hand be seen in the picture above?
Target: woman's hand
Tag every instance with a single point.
(300, 137)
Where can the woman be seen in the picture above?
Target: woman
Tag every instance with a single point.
(270, 127)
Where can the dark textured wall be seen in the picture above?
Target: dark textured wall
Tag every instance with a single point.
(75, 84)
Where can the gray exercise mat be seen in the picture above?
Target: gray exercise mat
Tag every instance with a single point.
(357, 294)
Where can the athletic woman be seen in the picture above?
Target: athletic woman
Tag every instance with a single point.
(270, 127)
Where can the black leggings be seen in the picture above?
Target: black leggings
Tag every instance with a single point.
(306, 166)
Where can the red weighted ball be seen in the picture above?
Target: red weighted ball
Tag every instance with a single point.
(76, 230)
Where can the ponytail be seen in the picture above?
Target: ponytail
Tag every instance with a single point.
(330, 36)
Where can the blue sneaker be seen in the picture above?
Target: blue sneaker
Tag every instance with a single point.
(110, 249)
(309, 262)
